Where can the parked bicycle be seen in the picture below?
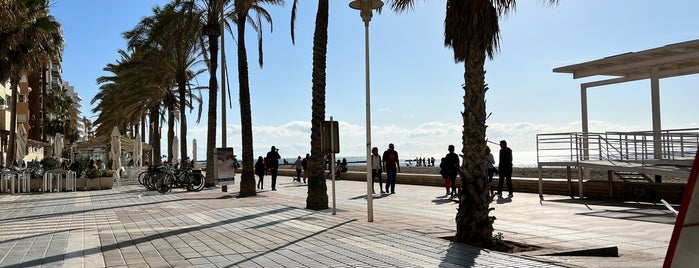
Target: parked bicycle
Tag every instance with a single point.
(164, 178)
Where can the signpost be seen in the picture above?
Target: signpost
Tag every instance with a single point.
(330, 144)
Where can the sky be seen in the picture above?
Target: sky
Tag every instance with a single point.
(416, 97)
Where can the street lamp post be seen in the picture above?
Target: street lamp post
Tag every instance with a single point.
(365, 7)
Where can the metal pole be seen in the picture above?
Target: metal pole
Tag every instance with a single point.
(369, 176)
(223, 85)
(332, 162)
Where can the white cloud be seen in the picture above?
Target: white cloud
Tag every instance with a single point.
(427, 139)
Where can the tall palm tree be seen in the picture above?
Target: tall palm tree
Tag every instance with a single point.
(173, 32)
(317, 198)
(471, 29)
(176, 30)
(240, 15)
(31, 38)
(138, 87)
(212, 20)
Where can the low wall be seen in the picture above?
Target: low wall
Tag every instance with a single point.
(631, 191)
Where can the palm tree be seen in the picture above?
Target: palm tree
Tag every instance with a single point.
(173, 34)
(31, 38)
(138, 87)
(317, 198)
(471, 29)
(240, 15)
(87, 127)
(213, 11)
(176, 31)
(58, 103)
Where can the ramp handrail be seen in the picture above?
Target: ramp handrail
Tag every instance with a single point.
(676, 146)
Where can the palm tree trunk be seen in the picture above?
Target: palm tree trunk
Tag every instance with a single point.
(473, 224)
(317, 198)
(211, 117)
(155, 136)
(247, 178)
(14, 84)
(170, 135)
(182, 88)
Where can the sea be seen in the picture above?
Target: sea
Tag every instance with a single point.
(520, 159)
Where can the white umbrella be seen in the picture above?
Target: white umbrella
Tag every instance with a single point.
(115, 153)
(138, 151)
(175, 150)
(58, 146)
(20, 143)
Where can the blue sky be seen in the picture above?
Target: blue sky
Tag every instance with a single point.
(416, 98)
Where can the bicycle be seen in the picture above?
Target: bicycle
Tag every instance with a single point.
(164, 178)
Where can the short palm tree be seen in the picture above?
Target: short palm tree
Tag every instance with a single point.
(471, 29)
(241, 14)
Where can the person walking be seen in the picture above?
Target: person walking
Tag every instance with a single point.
(298, 164)
(452, 168)
(260, 171)
(304, 165)
(273, 165)
(490, 168)
(376, 169)
(392, 166)
(505, 167)
(443, 170)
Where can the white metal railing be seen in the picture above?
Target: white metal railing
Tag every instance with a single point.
(675, 147)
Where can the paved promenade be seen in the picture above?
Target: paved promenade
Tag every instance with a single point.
(131, 227)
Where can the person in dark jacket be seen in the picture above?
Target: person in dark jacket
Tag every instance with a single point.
(273, 165)
(451, 168)
(260, 171)
(505, 167)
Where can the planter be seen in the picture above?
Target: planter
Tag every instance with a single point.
(98, 183)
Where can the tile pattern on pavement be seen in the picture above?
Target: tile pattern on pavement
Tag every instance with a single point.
(131, 227)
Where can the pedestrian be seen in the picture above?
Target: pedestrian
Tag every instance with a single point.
(376, 169)
(260, 171)
(505, 167)
(452, 168)
(490, 165)
(273, 165)
(304, 165)
(445, 175)
(392, 166)
(298, 164)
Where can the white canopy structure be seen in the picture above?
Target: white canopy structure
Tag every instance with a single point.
(662, 62)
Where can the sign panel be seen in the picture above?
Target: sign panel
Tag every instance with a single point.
(327, 129)
(225, 166)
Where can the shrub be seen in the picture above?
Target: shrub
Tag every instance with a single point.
(35, 172)
(92, 173)
(78, 168)
(107, 173)
(50, 163)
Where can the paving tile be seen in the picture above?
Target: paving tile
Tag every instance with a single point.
(116, 228)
